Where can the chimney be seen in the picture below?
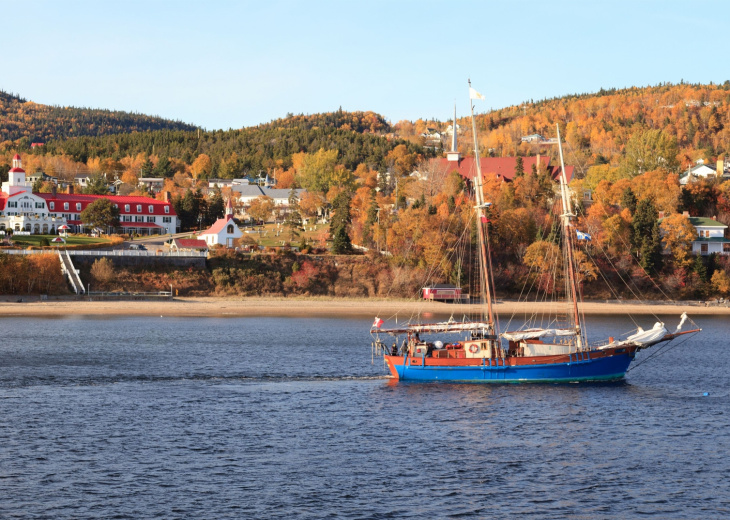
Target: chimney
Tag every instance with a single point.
(167, 197)
(537, 164)
(54, 191)
(70, 190)
(661, 214)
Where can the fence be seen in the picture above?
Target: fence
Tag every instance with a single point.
(115, 252)
(102, 295)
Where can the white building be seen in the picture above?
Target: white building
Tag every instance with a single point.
(22, 210)
(223, 232)
(710, 237)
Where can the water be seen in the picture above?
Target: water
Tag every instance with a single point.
(287, 418)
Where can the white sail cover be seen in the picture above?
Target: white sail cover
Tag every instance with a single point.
(520, 335)
(648, 337)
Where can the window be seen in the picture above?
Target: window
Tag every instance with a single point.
(40, 205)
(168, 220)
(726, 248)
(151, 219)
(13, 204)
(139, 218)
(167, 209)
(703, 249)
(126, 208)
(151, 208)
(139, 208)
(52, 205)
(230, 229)
(78, 206)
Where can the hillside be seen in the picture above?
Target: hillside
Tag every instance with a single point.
(32, 122)
(356, 136)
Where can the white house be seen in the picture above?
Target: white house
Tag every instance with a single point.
(696, 172)
(223, 232)
(710, 237)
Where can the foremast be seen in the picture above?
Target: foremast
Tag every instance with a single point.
(486, 278)
(568, 244)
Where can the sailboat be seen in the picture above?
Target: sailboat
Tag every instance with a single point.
(528, 354)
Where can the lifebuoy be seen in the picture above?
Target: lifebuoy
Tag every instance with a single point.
(473, 348)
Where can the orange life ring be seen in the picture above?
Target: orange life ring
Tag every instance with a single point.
(473, 348)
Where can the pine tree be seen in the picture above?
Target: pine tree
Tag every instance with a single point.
(147, 169)
(628, 200)
(341, 244)
(372, 217)
(294, 218)
(519, 167)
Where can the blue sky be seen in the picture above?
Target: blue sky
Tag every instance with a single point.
(233, 64)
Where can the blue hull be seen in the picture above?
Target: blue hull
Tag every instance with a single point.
(599, 369)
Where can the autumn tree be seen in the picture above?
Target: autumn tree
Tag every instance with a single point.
(678, 234)
(201, 167)
(261, 208)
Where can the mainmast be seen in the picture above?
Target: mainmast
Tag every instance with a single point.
(567, 217)
(481, 205)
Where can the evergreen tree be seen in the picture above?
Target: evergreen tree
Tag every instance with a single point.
(96, 185)
(163, 168)
(645, 236)
(700, 269)
(293, 219)
(341, 244)
(628, 200)
(216, 208)
(147, 169)
(519, 167)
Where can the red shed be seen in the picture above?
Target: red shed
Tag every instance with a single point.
(443, 292)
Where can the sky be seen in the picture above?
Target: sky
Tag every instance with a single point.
(233, 64)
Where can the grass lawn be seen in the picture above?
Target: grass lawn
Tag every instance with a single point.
(266, 235)
(35, 240)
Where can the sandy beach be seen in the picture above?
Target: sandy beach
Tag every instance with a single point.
(315, 307)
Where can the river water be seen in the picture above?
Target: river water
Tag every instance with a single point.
(288, 418)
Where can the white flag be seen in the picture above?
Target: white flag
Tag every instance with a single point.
(473, 94)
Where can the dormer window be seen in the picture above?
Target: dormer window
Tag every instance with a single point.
(65, 206)
(139, 208)
(126, 208)
(78, 206)
(52, 205)
(167, 209)
(151, 208)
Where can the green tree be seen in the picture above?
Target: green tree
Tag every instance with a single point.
(370, 220)
(96, 185)
(649, 150)
(519, 167)
(318, 171)
(628, 200)
(163, 168)
(101, 213)
(341, 243)
(147, 169)
(293, 220)
(216, 208)
(645, 236)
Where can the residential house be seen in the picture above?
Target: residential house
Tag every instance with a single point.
(710, 237)
(699, 171)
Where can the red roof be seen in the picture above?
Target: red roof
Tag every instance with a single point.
(158, 206)
(17, 170)
(218, 226)
(503, 167)
(191, 243)
(16, 156)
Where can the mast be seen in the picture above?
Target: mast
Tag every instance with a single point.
(484, 263)
(567, 216)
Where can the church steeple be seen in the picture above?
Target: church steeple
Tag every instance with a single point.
(229, 208)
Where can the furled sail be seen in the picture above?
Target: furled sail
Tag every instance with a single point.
(520, 335)
(648, 337)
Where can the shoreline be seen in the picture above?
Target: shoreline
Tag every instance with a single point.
(213, 307)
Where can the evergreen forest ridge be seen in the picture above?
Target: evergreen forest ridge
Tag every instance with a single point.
(628, 147)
